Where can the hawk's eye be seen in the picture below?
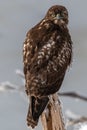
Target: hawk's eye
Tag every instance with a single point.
(53, 15)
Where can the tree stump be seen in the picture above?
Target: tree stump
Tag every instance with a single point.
(52, 118)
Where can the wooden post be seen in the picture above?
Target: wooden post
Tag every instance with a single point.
(52, 118)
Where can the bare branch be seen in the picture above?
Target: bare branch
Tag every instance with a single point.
(20, 73)
(73, 95)
(76, 121)
(73, 119)
(7, 86)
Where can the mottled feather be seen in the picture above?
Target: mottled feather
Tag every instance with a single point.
(47, 52)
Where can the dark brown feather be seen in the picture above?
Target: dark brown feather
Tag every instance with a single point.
(47, 53)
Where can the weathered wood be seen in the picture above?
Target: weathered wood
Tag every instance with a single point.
(52, 118)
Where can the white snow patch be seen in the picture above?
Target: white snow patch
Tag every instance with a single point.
(83, 127)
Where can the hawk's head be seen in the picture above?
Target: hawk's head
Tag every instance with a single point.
(58, 15)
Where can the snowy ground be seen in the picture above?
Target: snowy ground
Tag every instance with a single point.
(16, 17)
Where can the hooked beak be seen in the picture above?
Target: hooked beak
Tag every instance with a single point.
(58, 16)
(60, 19)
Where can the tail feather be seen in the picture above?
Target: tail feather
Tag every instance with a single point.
(37, 106)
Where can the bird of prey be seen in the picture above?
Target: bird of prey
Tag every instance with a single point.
(47, 52)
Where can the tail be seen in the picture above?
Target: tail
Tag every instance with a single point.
(37, 106)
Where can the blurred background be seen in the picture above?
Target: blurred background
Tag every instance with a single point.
(16, 18)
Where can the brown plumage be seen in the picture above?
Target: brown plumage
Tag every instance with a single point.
(47, 53)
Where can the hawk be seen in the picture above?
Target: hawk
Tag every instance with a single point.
(47, 52)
